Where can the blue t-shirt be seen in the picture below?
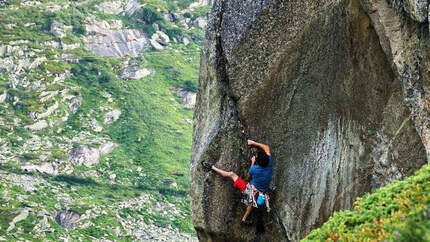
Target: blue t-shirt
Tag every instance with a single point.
(261, 176)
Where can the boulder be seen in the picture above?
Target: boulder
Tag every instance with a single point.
(185, 41)
(128, 8)
(70, 46)
(132, 7)
(197, 4)
(156, 45)
(75, 104)
(94, 124)
(89, 156)
(46, 167)
(45, 114)
(170, 17)
(112, 116)
(160, 37)
(38, 126)
(104, 41)
(69, 58)
(51, 43)
(27, 182)
(3, 97)
(59, 30)
(46, 95)
(67, 219)
(158, 206)
(84, 155)
(336, 88)
(134, 71)
(30, 3)
(188, 98)
(21, 216)
(200, 23)
(37, 62)
(155, 27)
(141, 73)
(10, 26)
(55, 7)
(114, 7)
(91, 173)
(107, 148)
(115, 24)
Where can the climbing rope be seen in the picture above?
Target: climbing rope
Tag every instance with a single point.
(376, 165)
(348, 188)
(294, 212)
(359, 179)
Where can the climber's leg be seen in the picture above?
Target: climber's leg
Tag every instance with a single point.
(247, 212)
(239, 183)
(227, 174)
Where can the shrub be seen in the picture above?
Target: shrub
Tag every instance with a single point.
(399, 211)
(174, 32)
(184, 3)
(190, 86)
(150, 15)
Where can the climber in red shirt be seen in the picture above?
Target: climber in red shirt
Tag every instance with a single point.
(260, 174)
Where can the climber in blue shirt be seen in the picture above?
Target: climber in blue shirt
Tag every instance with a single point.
(260, 175)
(261, 172)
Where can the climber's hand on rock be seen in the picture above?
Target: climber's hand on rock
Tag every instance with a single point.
(250, 142)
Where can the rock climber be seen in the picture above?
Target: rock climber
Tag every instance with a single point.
(260, 174)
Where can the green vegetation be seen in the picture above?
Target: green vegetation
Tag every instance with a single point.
(200, 12)
(399, 211)
(153, 131)
(150, 15)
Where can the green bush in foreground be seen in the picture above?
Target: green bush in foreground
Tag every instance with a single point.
(399, 211)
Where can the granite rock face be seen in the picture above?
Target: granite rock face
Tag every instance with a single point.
(415, 9)
(336, 88)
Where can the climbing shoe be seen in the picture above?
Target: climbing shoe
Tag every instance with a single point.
(245, 223)
(206, 165)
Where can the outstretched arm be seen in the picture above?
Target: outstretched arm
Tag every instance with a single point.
(264, 147)
(252, 164)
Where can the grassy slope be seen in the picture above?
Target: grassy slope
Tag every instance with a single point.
(399, 211)
(153, 131)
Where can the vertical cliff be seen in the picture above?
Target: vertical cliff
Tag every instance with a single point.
(336, 88)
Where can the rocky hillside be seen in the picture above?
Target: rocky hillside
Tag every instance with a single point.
(338, 89)
(96, 103)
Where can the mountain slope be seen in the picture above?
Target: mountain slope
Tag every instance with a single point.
(95, 117)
